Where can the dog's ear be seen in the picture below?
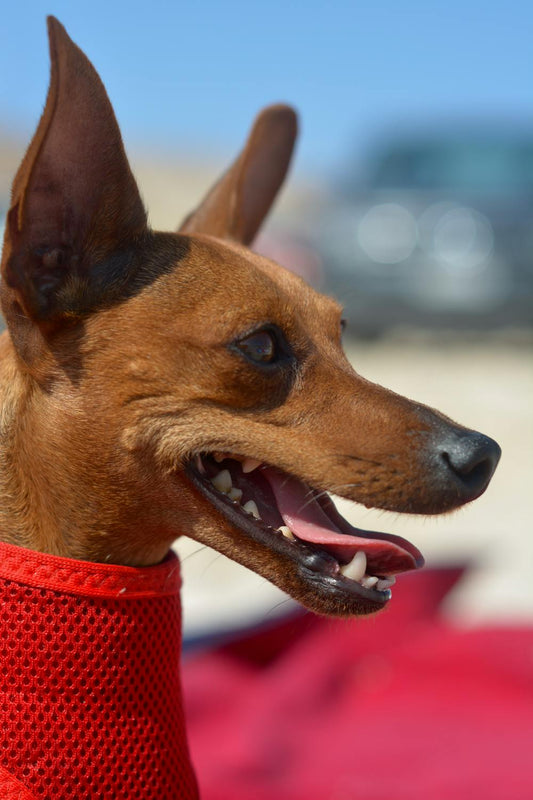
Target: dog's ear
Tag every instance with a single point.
(74, 200)
(237, 205)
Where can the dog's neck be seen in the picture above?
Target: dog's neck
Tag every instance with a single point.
(54, 496)
(16, 474)
(39, 508)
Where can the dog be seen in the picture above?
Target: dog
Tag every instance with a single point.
(161, 384)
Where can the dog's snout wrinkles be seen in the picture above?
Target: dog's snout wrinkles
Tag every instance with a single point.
(472, 458)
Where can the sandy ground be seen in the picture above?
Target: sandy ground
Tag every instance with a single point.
(485, 384)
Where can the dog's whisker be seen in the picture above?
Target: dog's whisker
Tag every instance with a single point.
(326, 493)
(284, 602)
(212, 562)
(193, 553)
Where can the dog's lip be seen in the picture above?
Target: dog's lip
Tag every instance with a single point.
(314, 564)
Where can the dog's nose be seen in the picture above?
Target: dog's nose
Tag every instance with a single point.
(472, 458)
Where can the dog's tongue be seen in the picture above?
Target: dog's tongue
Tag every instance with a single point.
(386, 554)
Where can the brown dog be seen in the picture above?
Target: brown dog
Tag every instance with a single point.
(160, 384)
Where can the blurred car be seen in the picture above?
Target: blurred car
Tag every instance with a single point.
(440, 233)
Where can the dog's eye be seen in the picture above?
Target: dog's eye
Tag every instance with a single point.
(260, 347)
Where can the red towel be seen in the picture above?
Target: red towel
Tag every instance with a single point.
(401, 705)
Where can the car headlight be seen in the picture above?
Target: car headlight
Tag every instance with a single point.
(461, 239)
(387, 233)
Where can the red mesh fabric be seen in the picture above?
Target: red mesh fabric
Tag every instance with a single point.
(90, 693)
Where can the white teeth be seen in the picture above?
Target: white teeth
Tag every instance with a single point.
(199, 465)
(356, 568)
(222, 481)
(287, 533)
(251, 508)
(235, 494)
(249, 464)
(385, 583)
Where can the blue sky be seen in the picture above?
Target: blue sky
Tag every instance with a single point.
(192, 75)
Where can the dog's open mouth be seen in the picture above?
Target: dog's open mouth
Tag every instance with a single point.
(291, 518)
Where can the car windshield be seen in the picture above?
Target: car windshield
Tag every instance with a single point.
(465, 166)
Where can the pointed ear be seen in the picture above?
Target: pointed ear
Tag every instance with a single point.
(74, 200)
(237, 205)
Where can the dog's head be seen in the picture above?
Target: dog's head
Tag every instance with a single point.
(179, 383)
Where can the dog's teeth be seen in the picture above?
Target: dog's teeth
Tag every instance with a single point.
(249, 464)
(251, 508)
(385, 583)
(199, 464)
(219, 457)
(235, 494)
(222, 481)
(369, 581)
(287, 533)
(356, 568)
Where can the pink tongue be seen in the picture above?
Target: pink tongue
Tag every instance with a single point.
(308, 521)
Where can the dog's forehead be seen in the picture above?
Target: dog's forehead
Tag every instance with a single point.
(255, 282)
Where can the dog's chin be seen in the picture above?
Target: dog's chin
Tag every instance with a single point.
(293, 535)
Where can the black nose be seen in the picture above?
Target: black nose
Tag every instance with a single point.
(472, 458)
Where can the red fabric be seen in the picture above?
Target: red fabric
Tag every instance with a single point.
(400, 705)
(90, 695)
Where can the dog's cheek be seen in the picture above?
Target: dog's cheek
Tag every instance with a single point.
(231, 383)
